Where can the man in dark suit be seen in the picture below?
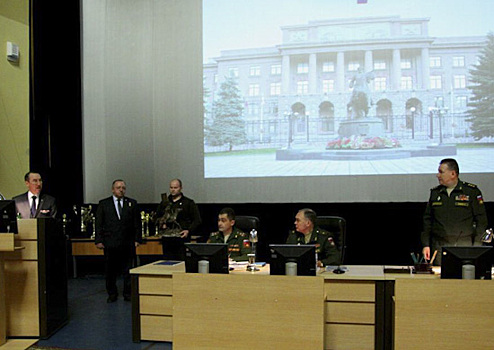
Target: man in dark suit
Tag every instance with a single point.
(118, 232)
(33, 203)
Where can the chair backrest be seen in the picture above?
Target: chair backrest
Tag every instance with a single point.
(247, 223)
(337, 226)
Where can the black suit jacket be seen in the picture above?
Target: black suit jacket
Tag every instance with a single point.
(114, 232)
(47, 207)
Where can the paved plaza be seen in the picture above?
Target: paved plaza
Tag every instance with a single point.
(474, 160)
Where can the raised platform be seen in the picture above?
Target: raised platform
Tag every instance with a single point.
(365, 154)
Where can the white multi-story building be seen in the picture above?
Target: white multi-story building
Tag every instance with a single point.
(416, 78)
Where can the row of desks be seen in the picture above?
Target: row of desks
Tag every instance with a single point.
(364, 308)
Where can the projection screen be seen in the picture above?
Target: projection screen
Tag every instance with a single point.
(283, 101)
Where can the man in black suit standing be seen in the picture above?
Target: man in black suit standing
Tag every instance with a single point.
(118, 232)
(33, 203)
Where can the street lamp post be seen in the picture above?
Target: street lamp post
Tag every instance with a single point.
(307, 124)
(413, 122)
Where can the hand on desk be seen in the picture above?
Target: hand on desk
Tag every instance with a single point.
(100, 246)
(427, 253)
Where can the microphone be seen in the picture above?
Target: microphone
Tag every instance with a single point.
(339, 270)
(457, 238)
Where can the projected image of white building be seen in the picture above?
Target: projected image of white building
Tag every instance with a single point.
(297, 93)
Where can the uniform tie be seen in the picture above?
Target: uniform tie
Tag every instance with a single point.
(33, 207)
(119, 205)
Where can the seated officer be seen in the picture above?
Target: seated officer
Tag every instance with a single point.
(238, 242)
(307, 233)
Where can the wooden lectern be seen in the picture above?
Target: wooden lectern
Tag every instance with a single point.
(6, 245)
(36, 280)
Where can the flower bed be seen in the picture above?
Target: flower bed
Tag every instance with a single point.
(361, 142)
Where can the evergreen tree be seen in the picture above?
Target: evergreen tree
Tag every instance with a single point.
(482, 103)
(227, 126)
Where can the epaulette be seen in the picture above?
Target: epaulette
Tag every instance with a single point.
(436, 187)
(214, 234)
(241, 233)
(322, 231)
(470, 185)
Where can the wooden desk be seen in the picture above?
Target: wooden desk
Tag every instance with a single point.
(328, 311)
(354, 308)
(86, 247)
(443, 314)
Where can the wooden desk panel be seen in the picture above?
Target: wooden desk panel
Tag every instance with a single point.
(86, 247)
(452, 314)
(349, 337)
(6, 245)
(288, 310)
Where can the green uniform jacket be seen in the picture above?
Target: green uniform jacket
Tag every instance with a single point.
(238, 244)
(457, 219)
(326, 250)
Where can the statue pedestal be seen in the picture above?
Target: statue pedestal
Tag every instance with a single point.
(362, 127)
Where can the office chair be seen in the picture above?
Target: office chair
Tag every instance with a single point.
(247, 223)
(337, 226)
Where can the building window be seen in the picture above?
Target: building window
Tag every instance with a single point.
(276, 69)
(436, 82)
(406, 83)
(253, 108)
(435, 62)
(379, 65)
(216, 78)
(380, 83)
(328, 67)
(253, 89)
(406, 63)
(461, 102)
(328, 86)
(302, 68)
(233, 72)
(459, 82)
(458, 61)
(255, 71)
(353, 66)
(302, 87)
(275, 89)
(439, 102)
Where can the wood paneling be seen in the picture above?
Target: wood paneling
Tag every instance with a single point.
(22, 298)
(348, 337)
(349, 290)
(155, 305)
(157, 285)
(338, 312)
(288, 310)
(456, 314)
(156, 328)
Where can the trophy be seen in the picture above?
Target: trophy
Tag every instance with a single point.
(64, 224)
(252, 257)
(93, 220)
(143, 224)
(85, 214)
(487, 236)
(147, 224)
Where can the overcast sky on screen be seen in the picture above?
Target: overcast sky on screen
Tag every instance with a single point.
(239, 24)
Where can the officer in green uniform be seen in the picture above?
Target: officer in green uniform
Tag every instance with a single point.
(455, 213)
(238, 242)
(307, 233)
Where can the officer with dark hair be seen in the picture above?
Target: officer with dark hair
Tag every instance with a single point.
(455, 213)
(238, 242)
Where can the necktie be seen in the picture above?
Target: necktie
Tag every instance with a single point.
(119, 205)
(33, 207)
